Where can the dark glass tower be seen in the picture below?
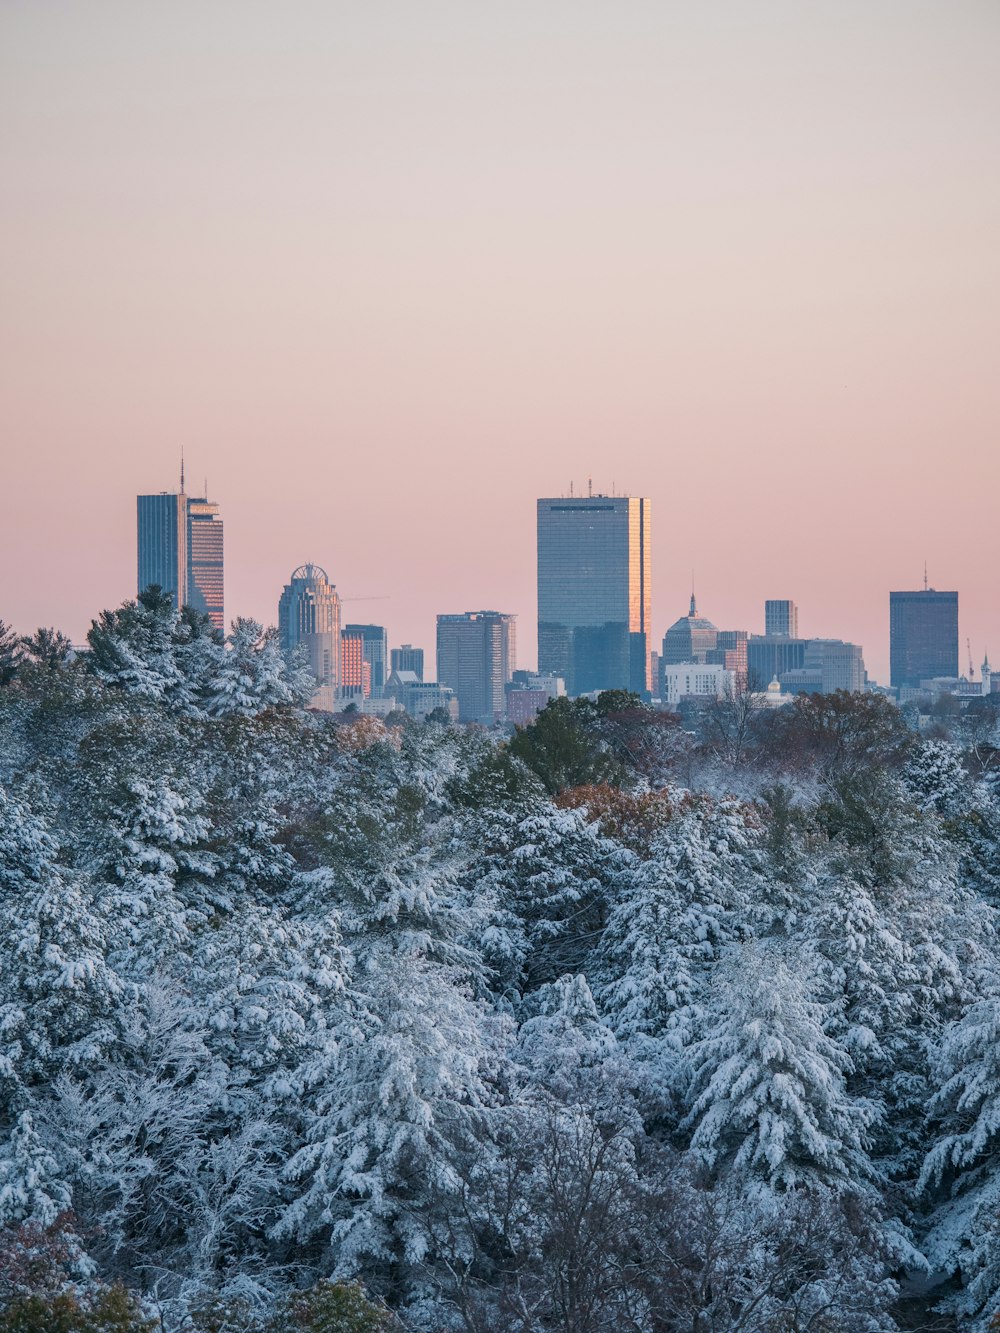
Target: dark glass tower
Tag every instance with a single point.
(180, 548)
(594, 592)
(476, 652)
(923, 636)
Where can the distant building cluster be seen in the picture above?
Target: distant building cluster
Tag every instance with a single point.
(594, 627)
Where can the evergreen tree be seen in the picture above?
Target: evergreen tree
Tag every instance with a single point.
(768, 1095)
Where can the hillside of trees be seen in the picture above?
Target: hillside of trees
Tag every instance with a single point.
(623, 1022)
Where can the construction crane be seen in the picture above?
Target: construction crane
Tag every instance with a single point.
(377, 597)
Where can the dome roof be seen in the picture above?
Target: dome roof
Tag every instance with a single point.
(691, 621)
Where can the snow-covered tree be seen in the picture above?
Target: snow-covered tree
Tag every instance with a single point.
(767, 1091)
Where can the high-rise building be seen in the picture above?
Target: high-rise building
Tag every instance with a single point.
(689, 639)
(694, 639)
(205, 563)
(769, 656)
(781, 617)
(161, 526)
(375, 651)
(923, 636)
(828, 665)
(355, 670)
(595, 592)
(309, 615)
(475, 658)
(180, 547)
(409, 658)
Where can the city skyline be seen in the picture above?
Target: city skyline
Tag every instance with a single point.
(389, 281)
(765, 608)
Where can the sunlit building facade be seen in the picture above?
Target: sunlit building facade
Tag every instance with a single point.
(375, 652)
(205, 561)
(180, 548)
(309, 616)
(594, 592)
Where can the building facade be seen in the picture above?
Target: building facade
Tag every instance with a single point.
(781, 618)
(475, 657)
(408, 658)
(206, 592)
(375, 651)
(923, 636)
(769, 656)
(355, 671)
(595, 592)
(695, 680)
(309, 616)
(528, 694)
(828, 665)
(180, 548)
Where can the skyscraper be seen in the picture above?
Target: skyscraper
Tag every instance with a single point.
(161, 527)
(180, 547)
(781, 617)
(594, 592)
(309, 614)
(923, 636)
(475, 656)
(205, 560)
(409, 658)
(374, 650)
(355, 670)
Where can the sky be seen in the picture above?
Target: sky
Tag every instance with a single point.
(390, 271)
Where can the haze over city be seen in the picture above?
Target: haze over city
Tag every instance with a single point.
(387, 274)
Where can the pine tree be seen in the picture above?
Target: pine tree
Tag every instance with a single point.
(767, 1090)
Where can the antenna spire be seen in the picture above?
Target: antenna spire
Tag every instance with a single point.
(182, 469)
(925, 576)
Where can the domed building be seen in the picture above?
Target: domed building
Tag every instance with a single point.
(689, 639)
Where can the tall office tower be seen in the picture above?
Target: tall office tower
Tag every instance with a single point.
(409, 658)
(205, 561)
(309, 614)
(594, 592)
(475, 657)
(375, 651)
(769, 656)
(162, 530)
(355, 669)
(923, 635)
(180, 548)
(781, 617)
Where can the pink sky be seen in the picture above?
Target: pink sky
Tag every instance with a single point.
(390, 271)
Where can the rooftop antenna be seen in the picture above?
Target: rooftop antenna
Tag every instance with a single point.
(590, 487)
(925, 576)
(206, 488)
(182, 469)
(571, 490)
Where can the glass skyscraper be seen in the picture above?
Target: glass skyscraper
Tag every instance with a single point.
(374, 649)
(309, 614)
(180, 547)
(476, 653)
(594, 592)
(923, 636)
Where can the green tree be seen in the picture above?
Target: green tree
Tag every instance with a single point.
(333, 1307)
(563, 746)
